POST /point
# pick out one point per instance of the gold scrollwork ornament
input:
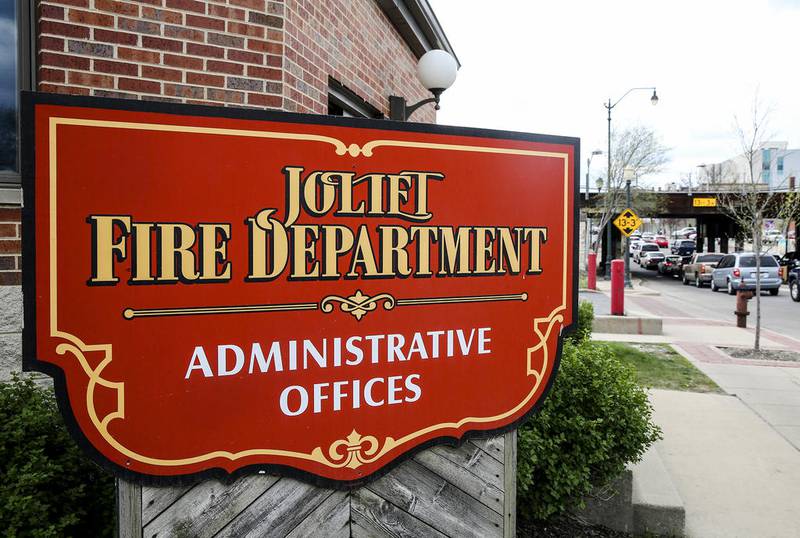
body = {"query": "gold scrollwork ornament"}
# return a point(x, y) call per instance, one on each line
point(357, 304)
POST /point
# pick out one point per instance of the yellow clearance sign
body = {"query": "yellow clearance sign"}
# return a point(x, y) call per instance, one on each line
point(704, 202)
point(627, 222)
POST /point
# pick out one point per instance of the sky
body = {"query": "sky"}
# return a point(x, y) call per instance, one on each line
point(548, 67)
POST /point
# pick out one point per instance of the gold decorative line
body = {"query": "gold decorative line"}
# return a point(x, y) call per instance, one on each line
point(340, 147)
point(357, 305)
point(356, 452)
point(130, 313)
point(463, 299)
point(368, 148)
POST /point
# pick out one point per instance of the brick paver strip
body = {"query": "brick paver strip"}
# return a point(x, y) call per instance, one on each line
point(713, 355)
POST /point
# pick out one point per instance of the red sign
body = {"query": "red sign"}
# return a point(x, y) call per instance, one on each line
point(216, 290)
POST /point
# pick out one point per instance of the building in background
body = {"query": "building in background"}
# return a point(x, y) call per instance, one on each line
point(775, 167)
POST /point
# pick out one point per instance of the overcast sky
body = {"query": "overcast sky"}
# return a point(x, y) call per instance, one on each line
point(548, 67)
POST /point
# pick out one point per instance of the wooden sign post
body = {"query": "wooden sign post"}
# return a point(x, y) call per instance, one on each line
point(243, 296)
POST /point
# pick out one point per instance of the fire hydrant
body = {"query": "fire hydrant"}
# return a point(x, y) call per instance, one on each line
point(741, 307)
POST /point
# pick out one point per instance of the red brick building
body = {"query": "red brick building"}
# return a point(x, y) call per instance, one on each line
point(310, 56)
point(342, 57)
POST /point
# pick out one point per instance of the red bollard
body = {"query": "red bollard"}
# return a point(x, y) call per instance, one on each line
point(617, 288)
point(591, 271)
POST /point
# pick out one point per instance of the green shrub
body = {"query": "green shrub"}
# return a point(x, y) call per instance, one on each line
point(49, 488)
point(583, 329)
point(595, 420)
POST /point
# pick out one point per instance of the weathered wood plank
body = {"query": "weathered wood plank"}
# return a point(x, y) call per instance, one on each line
point(427, 496)
point(375, 517)
point(129, 509)
point(461, 476)
point(278, 511)
point(510, 485)
point(476, 460)
point(330, 519)
point(208, 508)
point(492, 446)
point(157, 499)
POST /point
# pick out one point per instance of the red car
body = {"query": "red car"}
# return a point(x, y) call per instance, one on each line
point(661, 241)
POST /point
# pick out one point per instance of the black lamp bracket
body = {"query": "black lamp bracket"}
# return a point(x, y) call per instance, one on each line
point(400, 110)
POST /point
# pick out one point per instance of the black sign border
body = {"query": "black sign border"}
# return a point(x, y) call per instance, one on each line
point(30, 362)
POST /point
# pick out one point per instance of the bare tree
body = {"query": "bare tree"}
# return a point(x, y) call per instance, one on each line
point(750, 201)
point(641, 149)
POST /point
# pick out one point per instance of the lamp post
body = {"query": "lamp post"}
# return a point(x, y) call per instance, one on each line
point(437, 71)
point(628, 174)
point(609, 106)
point(588, 219)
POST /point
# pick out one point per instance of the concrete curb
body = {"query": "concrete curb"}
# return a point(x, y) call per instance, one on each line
point(627, 325)
point(657, 507)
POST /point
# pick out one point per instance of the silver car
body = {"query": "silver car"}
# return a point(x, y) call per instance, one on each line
point(738, 272)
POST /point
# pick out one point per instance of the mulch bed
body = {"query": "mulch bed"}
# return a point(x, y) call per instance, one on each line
point(564, 527)
point(784, 355)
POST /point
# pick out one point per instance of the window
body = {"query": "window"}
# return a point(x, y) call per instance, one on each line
point(780, 163)
point(8, 87)
point(709, 258)
point(342, 101)
point(15, 75)
point(750, 261)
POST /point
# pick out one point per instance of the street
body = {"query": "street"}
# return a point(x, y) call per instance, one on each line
point(780, 313)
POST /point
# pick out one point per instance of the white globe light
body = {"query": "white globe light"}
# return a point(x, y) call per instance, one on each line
point(437, 70)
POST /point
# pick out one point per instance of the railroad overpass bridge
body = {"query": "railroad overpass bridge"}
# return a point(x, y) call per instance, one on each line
point(713, 224)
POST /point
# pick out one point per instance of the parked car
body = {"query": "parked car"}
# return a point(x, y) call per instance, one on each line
point(650, 260)
point(683, 247)
point(661, 241)
point(670, 266)
point(698, 270)
point(647, 236)
point(684, 232)
point(645, 247)
point(794, 284)
point(635, 244)
point(790, 260)
point(737, 272)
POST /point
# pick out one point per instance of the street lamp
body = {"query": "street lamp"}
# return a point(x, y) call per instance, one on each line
point(628, 174)
point(436, 70)
point(588, 218)
point(609, 106)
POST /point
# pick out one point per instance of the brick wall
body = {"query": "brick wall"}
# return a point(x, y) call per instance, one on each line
point(259, 53)
point(10, 247)
point(354, 42)
point(168, 50)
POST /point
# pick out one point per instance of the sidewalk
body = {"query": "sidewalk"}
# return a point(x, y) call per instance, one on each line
point(737, 477)
point(735, 459)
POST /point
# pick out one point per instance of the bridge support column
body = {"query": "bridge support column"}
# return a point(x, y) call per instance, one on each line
point(712, 242)
point(723, 244)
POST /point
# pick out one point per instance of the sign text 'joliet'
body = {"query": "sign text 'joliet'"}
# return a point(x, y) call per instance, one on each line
point(217, 291)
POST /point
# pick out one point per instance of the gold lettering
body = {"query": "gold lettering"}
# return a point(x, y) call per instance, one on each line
point(454, 251)
point(176, 242)
point(214, 243)
point(106, 248)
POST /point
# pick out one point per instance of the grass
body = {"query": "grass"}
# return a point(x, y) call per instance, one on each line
point(661, 367)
